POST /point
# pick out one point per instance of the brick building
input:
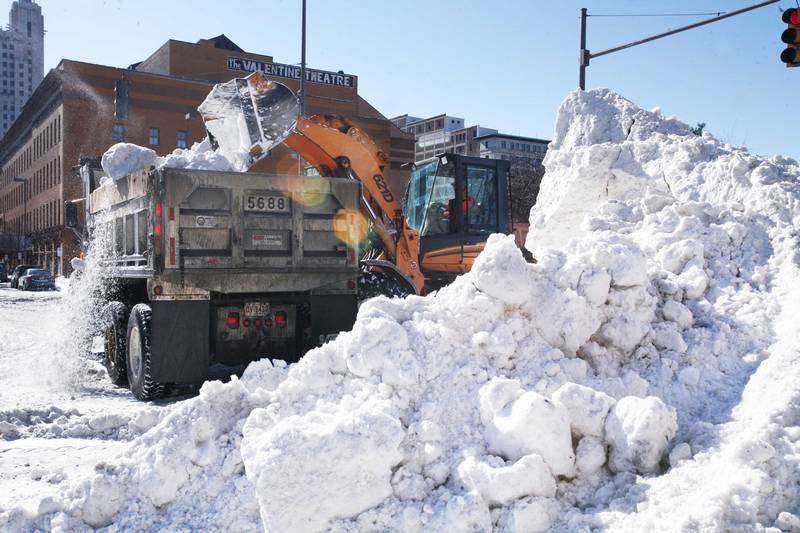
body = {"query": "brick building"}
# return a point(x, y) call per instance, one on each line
point(81, 109)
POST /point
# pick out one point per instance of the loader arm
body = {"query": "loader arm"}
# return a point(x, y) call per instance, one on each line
point(333, 146)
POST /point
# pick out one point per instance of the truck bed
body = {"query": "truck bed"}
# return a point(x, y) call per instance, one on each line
point(240, 225)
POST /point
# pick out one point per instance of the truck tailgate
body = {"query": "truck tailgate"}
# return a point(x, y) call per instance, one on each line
point(230, 220)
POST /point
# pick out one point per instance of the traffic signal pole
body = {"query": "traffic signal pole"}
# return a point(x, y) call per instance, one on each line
point(586, 56)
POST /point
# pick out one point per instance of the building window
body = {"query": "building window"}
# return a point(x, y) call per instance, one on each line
point(118, 133)
point(154, 136)
point(182, 139)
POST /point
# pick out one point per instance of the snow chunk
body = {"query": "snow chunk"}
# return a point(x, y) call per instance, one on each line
point(531, 515)
point(359, 449)
point(638, 431)
point(500, 270)
point(587, 408)
point(681, 452)
point(678, 313)
point(667, 336)
point(531, 424)
point(590, 455)
point(200, 156)
point(124, 158)
point(500, 485)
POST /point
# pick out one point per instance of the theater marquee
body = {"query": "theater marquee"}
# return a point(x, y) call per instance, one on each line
point(290, 71)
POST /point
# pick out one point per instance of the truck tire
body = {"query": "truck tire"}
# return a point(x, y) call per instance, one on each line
point(115, 334)
point(140, 377)
point(373, 283)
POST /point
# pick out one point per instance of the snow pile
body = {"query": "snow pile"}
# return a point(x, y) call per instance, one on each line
point(200, 156)
point(641, 375)
point(124, 158)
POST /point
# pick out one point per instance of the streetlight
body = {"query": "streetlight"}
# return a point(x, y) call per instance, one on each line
point(24, 181)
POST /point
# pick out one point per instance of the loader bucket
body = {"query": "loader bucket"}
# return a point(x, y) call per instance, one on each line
point(246, 117)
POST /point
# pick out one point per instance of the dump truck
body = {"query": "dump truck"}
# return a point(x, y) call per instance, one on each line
point(208, 267)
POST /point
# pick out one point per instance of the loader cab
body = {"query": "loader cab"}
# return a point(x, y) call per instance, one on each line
point(455, 202)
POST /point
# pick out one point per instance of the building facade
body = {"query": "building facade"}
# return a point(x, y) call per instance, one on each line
point(81, 109)
point(525, 155)
point(21, 59)
point(521, 152)
point(441, 133)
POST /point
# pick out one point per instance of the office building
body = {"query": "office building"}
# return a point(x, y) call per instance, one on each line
point(21, 59)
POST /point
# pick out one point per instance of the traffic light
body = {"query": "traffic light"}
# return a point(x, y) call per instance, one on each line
point(791, 36)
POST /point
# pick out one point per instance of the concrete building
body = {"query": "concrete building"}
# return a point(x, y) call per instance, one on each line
point(81, 109)
point(522, 152)
point(22, 59)
point(525, 154)
point(441, 133)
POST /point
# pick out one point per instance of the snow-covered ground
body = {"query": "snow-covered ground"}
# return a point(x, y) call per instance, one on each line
point(59, 415)
point(641, 375)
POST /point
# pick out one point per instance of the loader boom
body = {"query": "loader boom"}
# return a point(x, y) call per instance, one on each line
point(333, 146)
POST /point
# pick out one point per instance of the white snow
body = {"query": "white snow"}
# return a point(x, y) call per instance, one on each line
point(529, 424)
point(646, 366)
point(638, 431)
point(124, 158)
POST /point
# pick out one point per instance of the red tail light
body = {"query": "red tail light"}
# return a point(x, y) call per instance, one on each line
point(158, 290)
point(280, 318)
point(157, 229)
point(267, 322)
point(233, 320)
point(246, 322)
point(257, 322)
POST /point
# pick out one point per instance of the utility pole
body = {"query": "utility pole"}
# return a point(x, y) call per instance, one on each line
point(303, 65)
point(585, 55)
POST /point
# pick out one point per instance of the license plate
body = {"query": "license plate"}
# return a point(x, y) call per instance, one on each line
point(264, 203)
point(256, 309)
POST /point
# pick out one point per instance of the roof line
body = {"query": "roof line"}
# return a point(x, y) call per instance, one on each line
point(515, 137)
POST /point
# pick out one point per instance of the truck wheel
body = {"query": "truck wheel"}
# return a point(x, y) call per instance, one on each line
point(140, 377)
point(115, 336)
point(371, 284)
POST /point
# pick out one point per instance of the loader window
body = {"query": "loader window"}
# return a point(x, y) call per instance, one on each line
point(431, 190)
point(481, 198)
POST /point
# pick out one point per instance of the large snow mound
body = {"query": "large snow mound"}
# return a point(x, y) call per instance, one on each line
point(640, 375)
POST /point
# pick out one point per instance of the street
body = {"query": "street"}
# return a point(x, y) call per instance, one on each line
point(59, 415)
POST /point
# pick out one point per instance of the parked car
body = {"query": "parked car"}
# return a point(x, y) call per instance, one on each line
point(37, 279)
point(3, 273)
point(18, 272)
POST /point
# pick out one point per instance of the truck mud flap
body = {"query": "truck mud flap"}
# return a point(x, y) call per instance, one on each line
point(330, 315)
point(180, 341)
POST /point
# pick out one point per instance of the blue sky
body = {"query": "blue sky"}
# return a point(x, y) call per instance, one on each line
point(505, 64)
